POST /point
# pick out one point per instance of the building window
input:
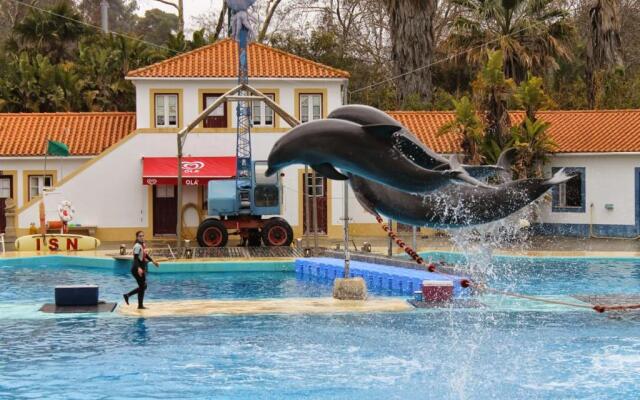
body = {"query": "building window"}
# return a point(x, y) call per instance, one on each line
point(166, 110)
point(310, 107)
point(218, 117)
point(570, 196)
point(319, 186)
point(261, 114)
point(37, 183)
point(5, 187)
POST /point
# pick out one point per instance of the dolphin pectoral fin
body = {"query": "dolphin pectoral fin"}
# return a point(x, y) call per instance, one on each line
point(327, 170)
point(381, 130)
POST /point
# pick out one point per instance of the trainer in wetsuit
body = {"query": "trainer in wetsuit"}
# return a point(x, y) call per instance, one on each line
point(139, 269)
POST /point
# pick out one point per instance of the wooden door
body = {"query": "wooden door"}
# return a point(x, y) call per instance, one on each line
point(6, 190)
point(165, 214)
point(321, 199)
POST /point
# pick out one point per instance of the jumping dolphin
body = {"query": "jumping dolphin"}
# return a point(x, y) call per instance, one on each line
point(408, 143)
point(453, 206)
point(364, 150)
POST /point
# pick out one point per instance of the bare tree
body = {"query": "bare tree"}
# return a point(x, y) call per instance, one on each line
point(272, 5)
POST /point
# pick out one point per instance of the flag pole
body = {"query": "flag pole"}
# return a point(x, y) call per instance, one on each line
point(42, 210)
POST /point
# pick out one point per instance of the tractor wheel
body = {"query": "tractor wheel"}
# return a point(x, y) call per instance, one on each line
point(277, 232)
point(254, 238)
point(212, 233)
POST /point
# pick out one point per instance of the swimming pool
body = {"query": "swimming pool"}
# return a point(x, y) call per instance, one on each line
point(459, 354)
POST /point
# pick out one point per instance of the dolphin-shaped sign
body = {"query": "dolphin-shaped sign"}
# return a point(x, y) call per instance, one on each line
point(453, 206)
point(364, 150)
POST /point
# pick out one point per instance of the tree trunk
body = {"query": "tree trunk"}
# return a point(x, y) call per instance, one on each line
point(220, 24)
point(497, 120)
point(604, 46)
point(267, 20)
point(412, 41)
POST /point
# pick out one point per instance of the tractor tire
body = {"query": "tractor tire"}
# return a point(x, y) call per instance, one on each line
point(277, 232)
point(212, 233)
point(255, 239)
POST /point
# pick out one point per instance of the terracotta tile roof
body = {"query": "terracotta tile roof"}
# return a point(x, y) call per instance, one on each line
point(220, 60)
point(24, 134)
point(589, 131)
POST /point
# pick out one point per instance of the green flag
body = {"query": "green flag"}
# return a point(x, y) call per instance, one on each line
point(57, 149)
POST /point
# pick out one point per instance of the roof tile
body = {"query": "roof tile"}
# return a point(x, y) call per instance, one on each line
point(574, 131)
point(220, 60)
point(24, 134)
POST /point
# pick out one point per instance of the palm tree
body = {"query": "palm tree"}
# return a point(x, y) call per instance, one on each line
point(412, 47)
point(532, 34)
point(604, 46)
point(534, 145)
point(468, 128)
point(54, 33)
point(492, 91)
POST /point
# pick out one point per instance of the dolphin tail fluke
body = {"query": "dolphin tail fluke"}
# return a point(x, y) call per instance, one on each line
point(558, 178)
point(327, 170)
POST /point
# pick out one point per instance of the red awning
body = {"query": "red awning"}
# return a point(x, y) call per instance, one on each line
point(195, 170)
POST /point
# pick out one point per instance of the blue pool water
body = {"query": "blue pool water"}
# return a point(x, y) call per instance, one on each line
point(449, 354)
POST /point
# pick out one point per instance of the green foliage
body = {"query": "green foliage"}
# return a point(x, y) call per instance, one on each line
point(492, 91)
point(534, 145)
point(52, 34)
point(157, 26)
point(468, 128)
point(531, 96)
point(532, 34)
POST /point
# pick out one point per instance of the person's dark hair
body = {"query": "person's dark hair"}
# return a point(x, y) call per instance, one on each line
point(137, 233)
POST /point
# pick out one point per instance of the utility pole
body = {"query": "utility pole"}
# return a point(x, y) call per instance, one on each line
point(104, 15)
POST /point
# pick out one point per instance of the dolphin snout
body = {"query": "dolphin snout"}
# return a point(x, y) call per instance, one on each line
point(270, 171)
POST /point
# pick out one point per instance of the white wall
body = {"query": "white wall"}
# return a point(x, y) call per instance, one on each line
point(110, 193)
point(191, 98)
point(609, 179)
point(62, 165)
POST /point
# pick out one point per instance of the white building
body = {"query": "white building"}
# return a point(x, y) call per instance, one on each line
point(104, 177)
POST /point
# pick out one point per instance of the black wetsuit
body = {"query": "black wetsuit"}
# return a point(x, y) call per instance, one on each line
point(140, 260)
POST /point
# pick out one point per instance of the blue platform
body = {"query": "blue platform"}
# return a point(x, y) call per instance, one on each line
point(393, 280)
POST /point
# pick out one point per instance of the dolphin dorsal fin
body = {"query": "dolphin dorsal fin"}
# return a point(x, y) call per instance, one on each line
point(505, 161)
point(454, 162)
point(328, 171)
point(382, 131)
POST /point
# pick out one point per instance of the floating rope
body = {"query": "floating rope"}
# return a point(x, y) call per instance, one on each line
point(481, 287)
point(598, 307)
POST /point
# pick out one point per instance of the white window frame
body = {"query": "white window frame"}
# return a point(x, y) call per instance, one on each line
point(307, 112)
point(5, 192)
point(319, 185)
point(165, 107)
point(262, 109)
point(39, 185)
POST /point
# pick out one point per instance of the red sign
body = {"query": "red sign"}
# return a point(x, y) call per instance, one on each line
point(195, 170)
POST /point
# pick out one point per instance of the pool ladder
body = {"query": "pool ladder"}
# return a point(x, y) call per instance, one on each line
point(2, 241)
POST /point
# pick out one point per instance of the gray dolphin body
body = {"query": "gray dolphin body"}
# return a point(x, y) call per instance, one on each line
point(454, 206)
point(408, 143)
point(364, 150)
